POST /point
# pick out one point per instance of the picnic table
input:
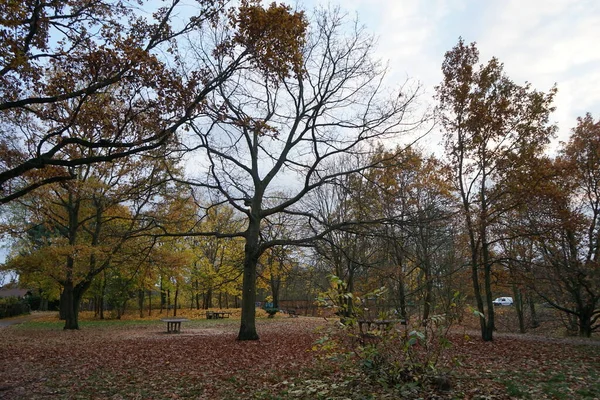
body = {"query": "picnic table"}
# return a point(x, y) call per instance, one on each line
point(217, 314)
point(379, 324)
point(174, 324)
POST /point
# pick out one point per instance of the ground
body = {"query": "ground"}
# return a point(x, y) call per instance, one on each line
point(136, 359)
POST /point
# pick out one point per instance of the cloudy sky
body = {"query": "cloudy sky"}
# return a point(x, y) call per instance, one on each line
point(540, 41)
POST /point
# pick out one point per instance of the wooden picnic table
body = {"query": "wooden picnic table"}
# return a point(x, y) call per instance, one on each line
point(379, 324)
point(217, 314)
point(174, 324)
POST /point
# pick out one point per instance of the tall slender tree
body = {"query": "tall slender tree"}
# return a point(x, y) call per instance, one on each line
point(488, 120)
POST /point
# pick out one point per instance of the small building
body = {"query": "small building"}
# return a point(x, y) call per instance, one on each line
point(10, 291)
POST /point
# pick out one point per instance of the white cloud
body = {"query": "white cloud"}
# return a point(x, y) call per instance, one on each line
point(539, 41)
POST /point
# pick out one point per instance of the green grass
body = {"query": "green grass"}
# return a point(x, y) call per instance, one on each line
point(33, 325)
point(125, 323)
point(533, 384)
point(513, 389)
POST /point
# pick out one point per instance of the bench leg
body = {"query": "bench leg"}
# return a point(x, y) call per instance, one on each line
point(173, 327)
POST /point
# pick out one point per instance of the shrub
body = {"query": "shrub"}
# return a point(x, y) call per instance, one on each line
point(401, 356)
point(12, 306)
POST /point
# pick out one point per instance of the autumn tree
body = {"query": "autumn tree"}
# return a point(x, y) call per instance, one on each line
point(413, 197)
point(277, 263)
point(564, 221)
point(347, 253)
point(318, 97)
point(217, 261)
point(105, 65)
point(487, 119)
point(92, 218)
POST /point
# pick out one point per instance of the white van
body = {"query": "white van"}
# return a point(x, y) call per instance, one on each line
point(503, 301)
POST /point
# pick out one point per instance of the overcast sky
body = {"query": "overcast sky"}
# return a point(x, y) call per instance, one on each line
point(539, 41)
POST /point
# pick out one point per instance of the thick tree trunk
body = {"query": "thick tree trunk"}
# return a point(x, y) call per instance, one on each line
point(585, 321)
point(275, 283)
point(534, 318)
point(490, 326)
point(251, 255)
point(44, 304)
point(208, 299)
point(70, 300)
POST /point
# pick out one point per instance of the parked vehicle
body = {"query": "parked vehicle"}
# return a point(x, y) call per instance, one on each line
point(503, 301)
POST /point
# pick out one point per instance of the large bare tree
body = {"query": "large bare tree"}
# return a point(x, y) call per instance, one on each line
point(273, 128)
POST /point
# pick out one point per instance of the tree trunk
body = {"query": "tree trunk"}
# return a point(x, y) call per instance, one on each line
point(477, 292)
point(141, 294)
point(149, 302)
point(428, 294)
point(168, 301)
point(251, 255)
point(70, 301)
point(208, 299)
point(585, 321)
point(490, 326)
point(275, 285)
point(96, 308)
point(534, 318)
point(163, 296)
point(176, 300)
point(44, 304)
point(519, 307)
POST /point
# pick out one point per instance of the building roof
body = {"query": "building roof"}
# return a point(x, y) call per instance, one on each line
point(13, 292)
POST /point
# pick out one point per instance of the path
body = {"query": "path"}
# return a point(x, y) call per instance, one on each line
point(4, 322)
point(572, 340)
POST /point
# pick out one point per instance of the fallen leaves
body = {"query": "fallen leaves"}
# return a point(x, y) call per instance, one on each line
point(140, 361)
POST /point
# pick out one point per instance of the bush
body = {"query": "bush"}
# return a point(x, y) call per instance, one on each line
point(401, 356)
point(13, 306)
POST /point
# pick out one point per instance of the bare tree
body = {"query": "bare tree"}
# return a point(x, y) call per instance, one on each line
point(265, 133)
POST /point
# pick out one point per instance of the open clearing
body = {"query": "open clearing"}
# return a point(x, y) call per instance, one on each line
point(138, 360)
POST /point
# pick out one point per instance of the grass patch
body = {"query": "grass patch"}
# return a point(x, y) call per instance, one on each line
point(575, 380)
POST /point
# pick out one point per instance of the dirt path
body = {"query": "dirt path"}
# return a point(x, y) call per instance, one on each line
point(594, 341)
point(20, 319)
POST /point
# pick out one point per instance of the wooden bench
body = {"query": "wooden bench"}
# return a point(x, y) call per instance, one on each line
point(174, 324)
point(378, 324)
point(292, 313)
point(217, 314)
